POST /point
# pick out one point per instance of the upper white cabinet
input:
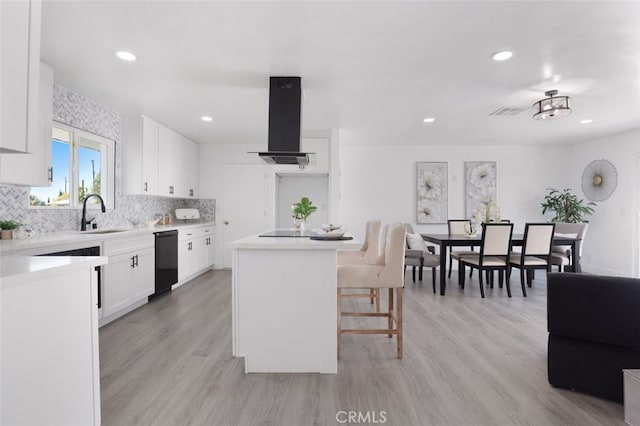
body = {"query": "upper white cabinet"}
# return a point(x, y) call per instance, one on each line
point(169, 162)
point(190, 172)
point(150, 131)
point(160, 161)
point(19, 74)
point(34, 168)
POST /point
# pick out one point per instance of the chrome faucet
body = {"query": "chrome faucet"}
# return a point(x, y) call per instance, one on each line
point(84, 222)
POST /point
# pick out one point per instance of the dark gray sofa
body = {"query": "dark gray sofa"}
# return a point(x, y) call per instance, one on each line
point(594, 332)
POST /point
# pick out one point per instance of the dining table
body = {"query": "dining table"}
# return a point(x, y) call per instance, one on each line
point(444, 241)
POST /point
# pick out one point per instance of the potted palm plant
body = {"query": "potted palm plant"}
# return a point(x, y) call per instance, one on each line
point(566, 206)
point(301, 211)
point(7, 228)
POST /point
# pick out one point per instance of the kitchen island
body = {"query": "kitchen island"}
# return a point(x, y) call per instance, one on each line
point(284, 303)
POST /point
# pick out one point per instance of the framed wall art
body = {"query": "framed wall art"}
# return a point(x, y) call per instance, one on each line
point(480, 185)
point(432, 191)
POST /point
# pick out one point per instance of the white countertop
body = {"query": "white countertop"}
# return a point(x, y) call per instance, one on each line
point(15, 270)
point(296, 243)
point(57, 241)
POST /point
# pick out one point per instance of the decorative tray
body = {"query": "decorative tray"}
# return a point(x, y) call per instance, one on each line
point(330, 238)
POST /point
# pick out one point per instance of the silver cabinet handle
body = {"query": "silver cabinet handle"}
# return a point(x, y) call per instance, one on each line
point(226, 222)
point(146, 186)
point(171, 190)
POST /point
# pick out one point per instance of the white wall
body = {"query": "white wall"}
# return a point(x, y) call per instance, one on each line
point(380, 181)
point(610, 245)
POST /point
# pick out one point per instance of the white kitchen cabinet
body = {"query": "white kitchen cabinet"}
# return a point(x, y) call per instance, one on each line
point(50, 349)
point(117, 291)
point(34, 168)
point(195, 252)
point(19, 73)
point(149, 160)
point(187, 259)
point(143, 275)
point(205, 252)
point(159, 161)
point(191, 169)
point(169, 162)
point(129, 278)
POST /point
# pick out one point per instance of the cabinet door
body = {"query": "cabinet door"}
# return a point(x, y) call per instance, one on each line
point(187, 258)
point(205, 252)
point(34, 168)
point(19, 72)
point(143, 275)
point(149, 156)
point(117, 292)
point(191, 168)
point(169, 157)
point(210, 252)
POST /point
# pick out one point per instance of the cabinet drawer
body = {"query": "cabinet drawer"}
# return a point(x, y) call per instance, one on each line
point(127, 244)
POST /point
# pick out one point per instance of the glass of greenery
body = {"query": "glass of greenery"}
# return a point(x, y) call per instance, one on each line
point(302, 210)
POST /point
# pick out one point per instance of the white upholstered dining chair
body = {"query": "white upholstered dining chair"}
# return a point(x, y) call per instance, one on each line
point(561, 255)
point(535, 253)
point(389, 275)
point(495, 248)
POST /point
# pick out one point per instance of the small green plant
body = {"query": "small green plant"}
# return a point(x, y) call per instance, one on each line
point(303, 208)
point(566, 206)
point(9, 224)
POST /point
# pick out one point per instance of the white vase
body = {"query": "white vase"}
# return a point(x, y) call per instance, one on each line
point(304, 225)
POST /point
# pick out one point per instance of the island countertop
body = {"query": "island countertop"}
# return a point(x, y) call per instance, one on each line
point(297, 243)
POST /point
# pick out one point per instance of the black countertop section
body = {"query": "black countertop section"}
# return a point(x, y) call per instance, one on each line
point(290, 233)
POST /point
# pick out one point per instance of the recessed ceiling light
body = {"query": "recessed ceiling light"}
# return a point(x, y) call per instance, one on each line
point(126, 56)
point(503, 55)
point(206, 118)
point(586, 121)
point(429, 120)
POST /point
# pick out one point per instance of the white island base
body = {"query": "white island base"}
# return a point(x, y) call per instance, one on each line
point(284, 304)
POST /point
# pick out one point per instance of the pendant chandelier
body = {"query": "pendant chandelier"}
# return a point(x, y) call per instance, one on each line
point(552, 106)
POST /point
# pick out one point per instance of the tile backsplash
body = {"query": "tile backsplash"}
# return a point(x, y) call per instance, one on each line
point(77, 111)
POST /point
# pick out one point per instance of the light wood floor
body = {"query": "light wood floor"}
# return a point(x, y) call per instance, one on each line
point(467, 361)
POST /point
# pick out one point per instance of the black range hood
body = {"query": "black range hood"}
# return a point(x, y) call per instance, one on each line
point(285, 96)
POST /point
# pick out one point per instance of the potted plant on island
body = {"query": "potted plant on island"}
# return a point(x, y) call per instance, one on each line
point(301, 211)
point(7, 228)
point(566, 206)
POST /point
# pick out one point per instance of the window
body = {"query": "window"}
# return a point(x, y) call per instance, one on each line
point(82, 163)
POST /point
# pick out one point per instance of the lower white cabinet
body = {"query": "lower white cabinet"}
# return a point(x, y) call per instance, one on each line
point(195, 252)
point(128, 279)
point(50, 355)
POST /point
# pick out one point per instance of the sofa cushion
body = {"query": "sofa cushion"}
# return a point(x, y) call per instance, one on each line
point(595, 308)
point(589, 367)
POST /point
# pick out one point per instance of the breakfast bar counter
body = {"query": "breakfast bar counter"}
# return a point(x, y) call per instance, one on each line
point(284, 303)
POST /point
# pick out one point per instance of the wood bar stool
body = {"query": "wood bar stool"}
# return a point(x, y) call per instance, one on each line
point(389, 275)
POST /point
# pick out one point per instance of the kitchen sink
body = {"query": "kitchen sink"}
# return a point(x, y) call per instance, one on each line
point(103, 231)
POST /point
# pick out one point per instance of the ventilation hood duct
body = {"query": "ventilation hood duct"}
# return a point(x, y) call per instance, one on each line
point(285, 95)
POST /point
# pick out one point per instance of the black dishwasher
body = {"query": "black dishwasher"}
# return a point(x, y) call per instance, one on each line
point(166, 261)
point(86, 251)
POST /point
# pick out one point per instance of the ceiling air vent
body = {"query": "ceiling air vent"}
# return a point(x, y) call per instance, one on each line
point(508, 111)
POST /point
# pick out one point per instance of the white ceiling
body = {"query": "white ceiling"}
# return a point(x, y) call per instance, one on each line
point(372, 69)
